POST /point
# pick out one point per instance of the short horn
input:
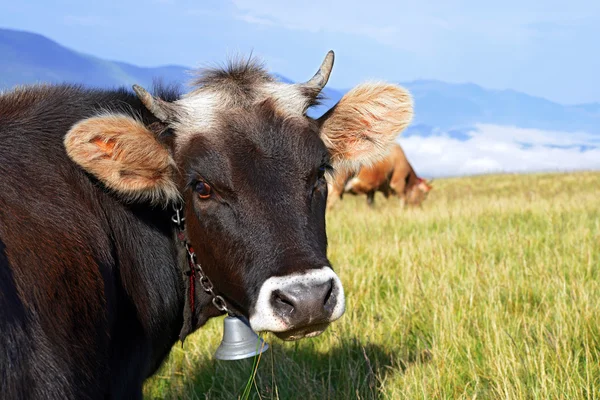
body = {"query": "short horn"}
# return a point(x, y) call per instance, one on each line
point(320, 79)
point(159, 108)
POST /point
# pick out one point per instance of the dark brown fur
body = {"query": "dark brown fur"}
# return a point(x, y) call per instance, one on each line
point(84, 320)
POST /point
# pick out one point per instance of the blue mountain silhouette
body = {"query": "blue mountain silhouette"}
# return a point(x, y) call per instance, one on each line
point(440, 107)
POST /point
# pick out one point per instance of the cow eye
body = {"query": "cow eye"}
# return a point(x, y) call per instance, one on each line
point(203, 189)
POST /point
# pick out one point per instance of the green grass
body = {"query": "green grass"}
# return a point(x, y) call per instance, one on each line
point(491, 290)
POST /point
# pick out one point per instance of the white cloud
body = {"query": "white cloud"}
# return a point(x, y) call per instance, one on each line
point(495, 148)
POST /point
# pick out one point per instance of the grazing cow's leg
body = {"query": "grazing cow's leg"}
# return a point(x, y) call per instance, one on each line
point(398, 183)
point(371, 198)
point(334, 193)
point(335, 187)
point(385, 189)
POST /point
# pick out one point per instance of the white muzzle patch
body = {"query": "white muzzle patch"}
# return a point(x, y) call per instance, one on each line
point(265, 318)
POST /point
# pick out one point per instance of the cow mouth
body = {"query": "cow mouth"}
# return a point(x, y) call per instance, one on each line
point(301, 333)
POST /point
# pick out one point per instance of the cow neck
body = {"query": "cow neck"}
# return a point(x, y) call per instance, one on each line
point(193, 273)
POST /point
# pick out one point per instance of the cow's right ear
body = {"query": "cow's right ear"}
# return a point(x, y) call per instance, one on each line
point(360, 129)
point(124, 155)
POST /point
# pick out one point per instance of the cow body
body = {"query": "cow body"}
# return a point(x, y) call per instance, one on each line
point(393, 175)
point(88, 283)
point(95, 283)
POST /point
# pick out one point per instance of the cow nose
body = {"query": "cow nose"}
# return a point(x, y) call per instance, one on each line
point(301, 304)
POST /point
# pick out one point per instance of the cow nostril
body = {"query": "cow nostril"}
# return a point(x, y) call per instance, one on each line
point(282, 303)
point(326, 300)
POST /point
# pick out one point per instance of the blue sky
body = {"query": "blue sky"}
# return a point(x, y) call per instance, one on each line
point(545, 48)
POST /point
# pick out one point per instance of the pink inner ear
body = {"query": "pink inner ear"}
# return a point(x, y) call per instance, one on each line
point(107, 147)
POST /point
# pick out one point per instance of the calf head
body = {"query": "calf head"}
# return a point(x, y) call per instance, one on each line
point(250, 167)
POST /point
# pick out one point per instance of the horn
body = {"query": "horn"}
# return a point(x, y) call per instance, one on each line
point(319, 80)
point(159, 108)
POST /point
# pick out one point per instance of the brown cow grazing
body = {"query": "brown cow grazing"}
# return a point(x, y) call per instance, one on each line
point(392, 175)
point(99, 276)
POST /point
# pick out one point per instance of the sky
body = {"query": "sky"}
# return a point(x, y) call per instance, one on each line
point(501, 149)
point(546, 48)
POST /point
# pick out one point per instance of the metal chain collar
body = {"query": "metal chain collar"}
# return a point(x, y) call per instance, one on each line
point(219, 302)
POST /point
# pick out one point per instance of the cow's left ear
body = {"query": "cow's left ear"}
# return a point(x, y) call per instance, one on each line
point(124, 155)
point(360, 129)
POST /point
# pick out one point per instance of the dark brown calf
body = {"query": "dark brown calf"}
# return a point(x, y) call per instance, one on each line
point(94, 285)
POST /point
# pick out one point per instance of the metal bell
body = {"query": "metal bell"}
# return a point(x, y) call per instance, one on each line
point(239, 340)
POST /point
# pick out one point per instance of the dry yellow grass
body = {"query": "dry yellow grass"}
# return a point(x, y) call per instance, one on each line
point(491, 290)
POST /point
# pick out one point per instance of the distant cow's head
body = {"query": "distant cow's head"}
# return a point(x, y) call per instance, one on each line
point(250, 167)
point(417, 194)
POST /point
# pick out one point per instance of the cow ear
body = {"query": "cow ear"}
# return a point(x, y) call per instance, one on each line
point(124, 155)
point(360, 128)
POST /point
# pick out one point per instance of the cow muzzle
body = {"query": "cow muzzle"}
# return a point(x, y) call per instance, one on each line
point(299, 305)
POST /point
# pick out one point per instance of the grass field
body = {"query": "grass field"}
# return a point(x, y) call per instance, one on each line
point(491, 290)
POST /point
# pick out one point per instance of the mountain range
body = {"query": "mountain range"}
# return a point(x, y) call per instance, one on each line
point(441, 108)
